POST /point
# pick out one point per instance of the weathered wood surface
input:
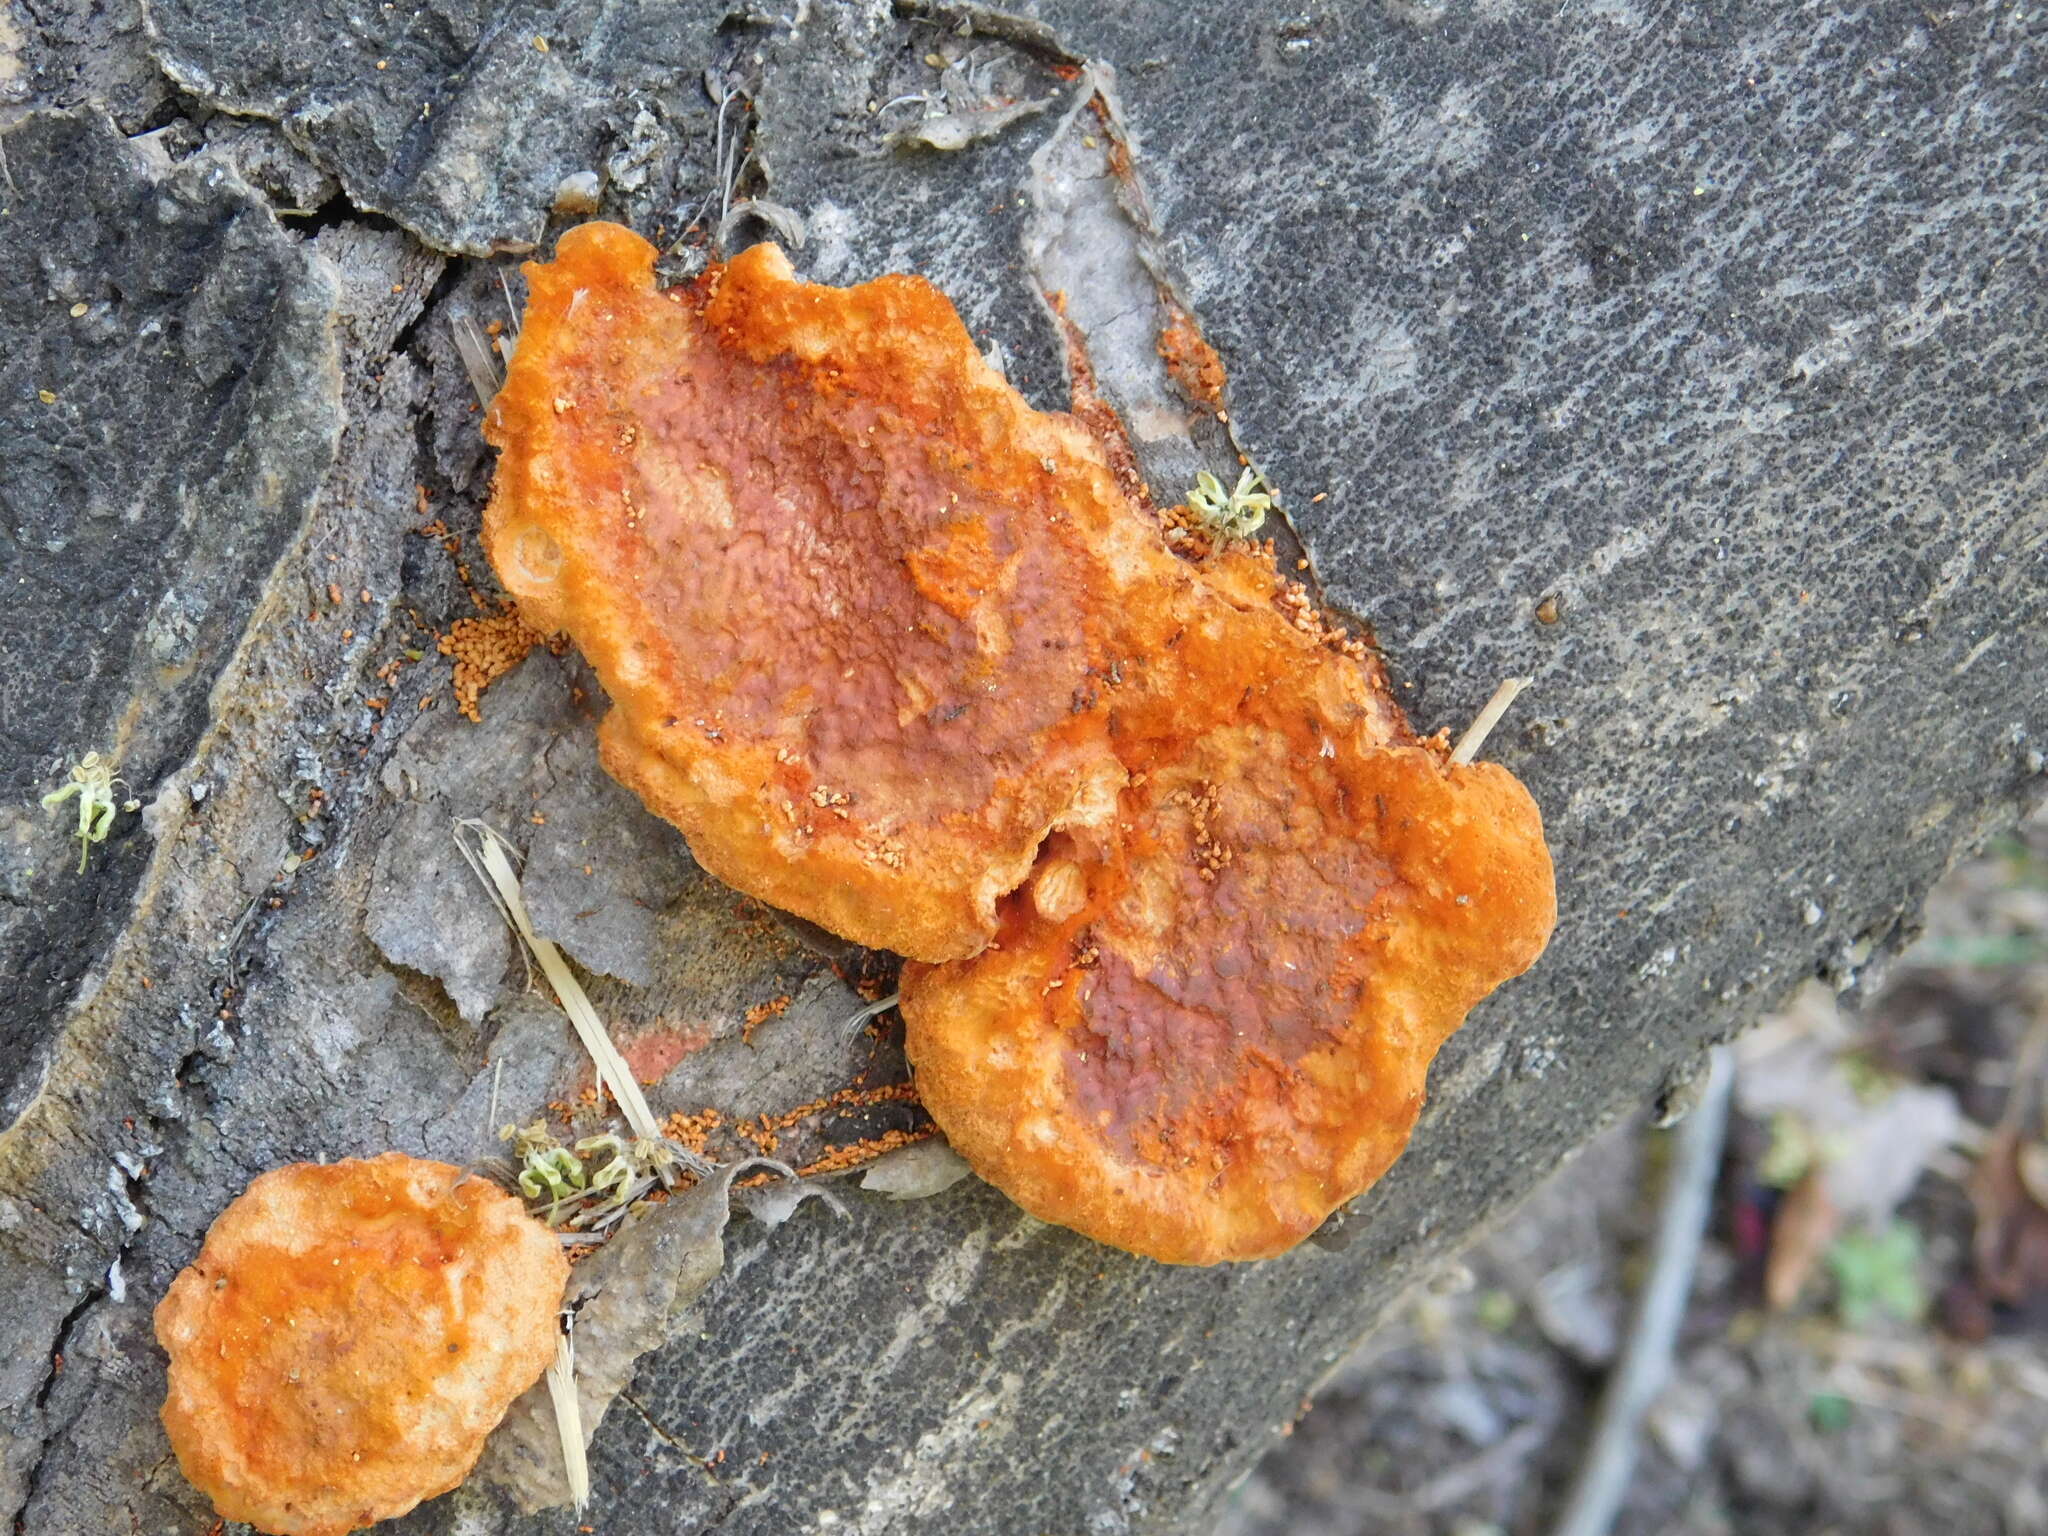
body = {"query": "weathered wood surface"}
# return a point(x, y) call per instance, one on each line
point(1719, 327)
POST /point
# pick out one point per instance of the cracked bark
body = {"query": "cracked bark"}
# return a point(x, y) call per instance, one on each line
point(1769, 426)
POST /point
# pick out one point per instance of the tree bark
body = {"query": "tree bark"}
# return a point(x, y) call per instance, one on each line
point(1691, 359)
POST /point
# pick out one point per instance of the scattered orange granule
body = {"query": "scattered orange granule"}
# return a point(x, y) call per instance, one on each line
point(761, 1013)
point(485, 650)
point(765, 1131)
point(1190, 359)
point(854, 1153)
point(692, 1131)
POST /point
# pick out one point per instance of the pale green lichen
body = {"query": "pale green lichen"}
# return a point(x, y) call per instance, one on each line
point(1237, 513)
point(92, 782)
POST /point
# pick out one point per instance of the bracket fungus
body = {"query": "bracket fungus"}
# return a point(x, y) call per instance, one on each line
point(347, 1337)
point(1188, 906)
point(842, 586)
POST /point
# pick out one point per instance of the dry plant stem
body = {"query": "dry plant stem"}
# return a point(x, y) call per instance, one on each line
point(491, 1121)
point(489, 858)
point(475, 352)
point(508, 343)
point(858, 1022)
point(569, 1414)
point(1645, 1362)
point(1475, 736)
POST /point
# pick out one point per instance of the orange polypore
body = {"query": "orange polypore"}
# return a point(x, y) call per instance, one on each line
point(897, 653)
point(348, 1336)
point(843, 589)
point(1225, 1034)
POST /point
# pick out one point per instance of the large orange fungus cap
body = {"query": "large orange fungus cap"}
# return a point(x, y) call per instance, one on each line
point(1190, 907)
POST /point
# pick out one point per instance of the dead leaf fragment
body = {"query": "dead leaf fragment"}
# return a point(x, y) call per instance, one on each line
point(1806, 1224)
point(627, 1299)
point(2012, 1226)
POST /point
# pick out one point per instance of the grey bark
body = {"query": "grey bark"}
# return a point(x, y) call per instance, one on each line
point(1722, 328)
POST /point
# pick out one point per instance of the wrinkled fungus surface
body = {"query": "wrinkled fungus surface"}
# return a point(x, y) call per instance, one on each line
point(347, 1337)
point(1228, 1037)
point(847, 593)
point(1194, 906)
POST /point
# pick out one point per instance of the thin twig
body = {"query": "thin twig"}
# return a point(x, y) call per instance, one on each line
point(728, 175)
point(1475, 737)
point(726, 96)
point(511, 313)
point(1460, 1482)
point(1645, 1362)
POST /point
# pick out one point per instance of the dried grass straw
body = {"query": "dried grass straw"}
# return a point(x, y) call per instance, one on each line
point(491, 858)
point(477, 362)
point(1474, 738)
point(569, 1413)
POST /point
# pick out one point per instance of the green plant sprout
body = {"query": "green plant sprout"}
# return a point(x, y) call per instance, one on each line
point(92, 781)
point(554, 1178)
point(526, 1139)
point(614, 1175)
point(1237, 513)
point(1791, 1153)
point(552, 1175)
point(1877, 1274)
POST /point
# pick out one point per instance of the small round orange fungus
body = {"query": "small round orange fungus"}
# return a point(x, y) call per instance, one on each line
point(348, 1336)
